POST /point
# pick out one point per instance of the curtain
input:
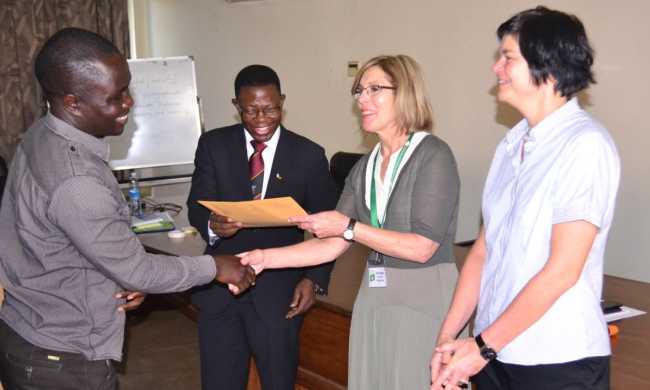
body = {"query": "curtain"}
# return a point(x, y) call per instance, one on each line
point(24, 26)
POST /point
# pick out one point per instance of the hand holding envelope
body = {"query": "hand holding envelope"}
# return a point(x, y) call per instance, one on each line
point(258, 213)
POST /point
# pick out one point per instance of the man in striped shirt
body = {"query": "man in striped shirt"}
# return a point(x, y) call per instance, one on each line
point(66, 246)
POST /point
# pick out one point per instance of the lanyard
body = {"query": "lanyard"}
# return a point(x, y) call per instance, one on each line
point(373, 194)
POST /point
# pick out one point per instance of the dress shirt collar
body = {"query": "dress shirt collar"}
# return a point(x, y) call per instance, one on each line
point(538, 133)
point(96, 145)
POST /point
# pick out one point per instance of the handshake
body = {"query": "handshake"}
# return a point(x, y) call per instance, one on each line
point(239, 272)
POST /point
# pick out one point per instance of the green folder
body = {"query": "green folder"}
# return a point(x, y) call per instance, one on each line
point(158, 227)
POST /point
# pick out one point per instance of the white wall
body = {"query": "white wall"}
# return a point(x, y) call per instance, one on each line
point(308, 42)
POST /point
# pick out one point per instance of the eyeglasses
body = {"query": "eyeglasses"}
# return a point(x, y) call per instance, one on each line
point(273, 111)
point(372, 90)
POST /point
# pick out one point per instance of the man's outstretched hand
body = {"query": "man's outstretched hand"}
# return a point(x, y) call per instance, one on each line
point(230, 271)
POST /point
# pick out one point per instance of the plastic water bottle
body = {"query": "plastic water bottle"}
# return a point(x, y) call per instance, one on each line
point(135, 203)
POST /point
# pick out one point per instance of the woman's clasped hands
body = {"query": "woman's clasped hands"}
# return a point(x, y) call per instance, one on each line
point(453, 362)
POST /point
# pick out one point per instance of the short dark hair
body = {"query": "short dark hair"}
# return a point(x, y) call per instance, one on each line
point(554, 44)
point(67, 62)
point(256, 76)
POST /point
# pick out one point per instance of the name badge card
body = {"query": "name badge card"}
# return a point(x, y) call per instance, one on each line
point(377, 277)
point(376, 271)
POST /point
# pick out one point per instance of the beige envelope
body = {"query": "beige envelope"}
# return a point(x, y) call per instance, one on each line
point(258, 213)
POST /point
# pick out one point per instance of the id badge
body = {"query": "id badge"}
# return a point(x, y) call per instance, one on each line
point(376, 271)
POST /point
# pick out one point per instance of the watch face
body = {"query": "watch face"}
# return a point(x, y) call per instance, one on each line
point(348, 234)
point(488, 353)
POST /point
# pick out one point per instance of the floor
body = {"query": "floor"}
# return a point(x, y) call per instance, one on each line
point(161, 349)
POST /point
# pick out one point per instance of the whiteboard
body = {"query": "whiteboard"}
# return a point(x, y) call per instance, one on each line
point(164, 123)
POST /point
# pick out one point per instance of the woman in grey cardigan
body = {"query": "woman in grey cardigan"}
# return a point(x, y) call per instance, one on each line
point(400, 200)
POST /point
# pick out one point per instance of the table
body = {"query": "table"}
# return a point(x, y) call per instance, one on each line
point(630, 367)
point(324, 335)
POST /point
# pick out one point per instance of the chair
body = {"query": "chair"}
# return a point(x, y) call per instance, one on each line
point(340, 165)
point(3, 180)
point(3, 176)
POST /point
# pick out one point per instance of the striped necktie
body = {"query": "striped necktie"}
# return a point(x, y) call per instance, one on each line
point(256, 166)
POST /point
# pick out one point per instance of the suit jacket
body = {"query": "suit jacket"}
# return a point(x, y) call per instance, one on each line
point(300, 170)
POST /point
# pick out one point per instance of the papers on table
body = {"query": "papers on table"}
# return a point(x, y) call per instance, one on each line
point(258, 213)
point(152, 222)
point(625, 312)
point(145, 219)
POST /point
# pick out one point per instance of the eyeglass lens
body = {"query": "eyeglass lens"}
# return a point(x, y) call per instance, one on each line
point(372, 90)
point(267, 112)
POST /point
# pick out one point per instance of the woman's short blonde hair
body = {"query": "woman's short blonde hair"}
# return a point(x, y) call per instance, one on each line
point(412, 103)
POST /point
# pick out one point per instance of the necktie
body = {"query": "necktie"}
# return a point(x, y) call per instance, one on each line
point(256, 166)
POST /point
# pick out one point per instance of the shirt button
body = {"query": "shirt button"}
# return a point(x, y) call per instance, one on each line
point(73, 148)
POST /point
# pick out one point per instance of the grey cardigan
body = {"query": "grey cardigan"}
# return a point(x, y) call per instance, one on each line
point(424, 199)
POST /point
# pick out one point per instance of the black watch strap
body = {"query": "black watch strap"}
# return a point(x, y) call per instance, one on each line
point(352, 223)
point(479, 341)
point(488, 353)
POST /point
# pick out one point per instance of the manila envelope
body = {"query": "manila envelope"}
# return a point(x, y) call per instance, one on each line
point(258, 213)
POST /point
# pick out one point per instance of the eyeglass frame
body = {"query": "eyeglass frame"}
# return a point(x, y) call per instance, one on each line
point(359, 91)
point(254, 113)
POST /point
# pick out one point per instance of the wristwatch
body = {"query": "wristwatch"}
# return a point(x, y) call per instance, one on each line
point(348, 234)
point(487, 352)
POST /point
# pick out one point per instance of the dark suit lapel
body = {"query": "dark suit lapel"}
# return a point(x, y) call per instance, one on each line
point(239, 163)
point(282, 163)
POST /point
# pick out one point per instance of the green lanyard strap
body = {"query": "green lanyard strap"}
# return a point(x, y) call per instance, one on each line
point(373, 193)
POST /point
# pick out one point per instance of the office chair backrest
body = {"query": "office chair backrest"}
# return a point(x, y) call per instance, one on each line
point(3, 176)
point(340, 165)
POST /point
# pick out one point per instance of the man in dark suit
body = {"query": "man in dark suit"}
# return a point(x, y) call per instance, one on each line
point(265, 320)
